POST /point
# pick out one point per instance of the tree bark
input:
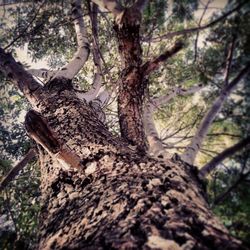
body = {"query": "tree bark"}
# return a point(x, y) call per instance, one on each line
point(132, 82)
point(117, 198)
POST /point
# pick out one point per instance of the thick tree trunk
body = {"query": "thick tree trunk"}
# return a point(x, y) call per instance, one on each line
point(117, 199)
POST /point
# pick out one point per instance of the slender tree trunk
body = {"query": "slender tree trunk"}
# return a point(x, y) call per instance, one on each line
point(131, 82)
point(117, 198)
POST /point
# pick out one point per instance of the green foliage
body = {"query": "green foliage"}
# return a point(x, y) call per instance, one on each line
point(19, 208)
point(154, 15)
point(234, 209)
point(12, 110)
point(183, 9)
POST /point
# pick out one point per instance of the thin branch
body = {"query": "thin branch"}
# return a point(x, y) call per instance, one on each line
point(226, 134)
point(224, 195)
point(162, 100)
point(24, 31)
point(229, 61)
point(17, 168)
point(192, 30)
point(154, 64)
point(210, 166)
point(199, 24)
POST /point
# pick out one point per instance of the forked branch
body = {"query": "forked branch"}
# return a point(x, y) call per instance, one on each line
point(82, 53)
point(155, 144)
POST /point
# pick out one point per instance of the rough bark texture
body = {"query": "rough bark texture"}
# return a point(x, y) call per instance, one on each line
point(131, 83)
point(118, 199)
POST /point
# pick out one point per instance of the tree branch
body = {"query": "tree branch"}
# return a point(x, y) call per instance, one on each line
point(229, 61)
point(93, 92)
point(82, 53)
point(192, 30)
point(99, 98)
point(193, 148)
point(42, 73)
point(23, 80)
point(17, 168)
point(113, 6)
point(206, 169)
point(155, 143)
point(162, 100)
point(223, 196)
point(140, 5)
point(154, 64)
point(199, 24)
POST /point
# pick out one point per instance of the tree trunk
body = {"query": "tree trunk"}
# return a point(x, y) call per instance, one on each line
point(117, 198)
point(132, 82)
